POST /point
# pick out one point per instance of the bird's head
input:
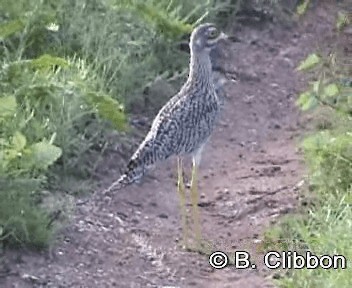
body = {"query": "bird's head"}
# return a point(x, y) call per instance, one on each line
point(205, 37)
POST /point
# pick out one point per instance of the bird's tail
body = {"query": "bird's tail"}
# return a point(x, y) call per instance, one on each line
point(142, 159)
point(118, 184)
point(135, 170)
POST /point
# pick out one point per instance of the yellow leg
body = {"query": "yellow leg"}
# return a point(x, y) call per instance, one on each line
point(182, 194)
point(195, 209)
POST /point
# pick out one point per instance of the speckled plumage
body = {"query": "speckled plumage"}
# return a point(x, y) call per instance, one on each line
point(186, 121)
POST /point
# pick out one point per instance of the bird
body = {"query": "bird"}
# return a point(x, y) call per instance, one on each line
point(182, 127)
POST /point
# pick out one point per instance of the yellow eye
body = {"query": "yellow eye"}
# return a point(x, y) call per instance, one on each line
point(213, 33)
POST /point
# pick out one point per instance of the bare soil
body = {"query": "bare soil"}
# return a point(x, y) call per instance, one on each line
point(249, 176)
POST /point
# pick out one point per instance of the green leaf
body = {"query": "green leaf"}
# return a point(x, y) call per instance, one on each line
point(171, 26)
point(10, 28)
point(331, 90)
point(167, 23)
point(45, 154)
point(108, 108)
point(316, 87)
point(307, 101)
point(349, 99)
point(302, 8)
point(11, 154)
point(316, 141)
point(310, 62)
point(47, 61)
point(342, 20)
point(8, 106)
point(3, 160)
point(19, 141)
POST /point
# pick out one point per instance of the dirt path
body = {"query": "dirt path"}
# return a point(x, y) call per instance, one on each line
point(248, 177)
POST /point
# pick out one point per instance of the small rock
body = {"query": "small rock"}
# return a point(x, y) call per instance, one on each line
point(31, 278)
point(277, 126)
point(135, 221)
point(163, 216)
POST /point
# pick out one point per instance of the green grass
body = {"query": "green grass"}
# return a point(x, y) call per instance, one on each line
point(324, 229)
point(324, 224)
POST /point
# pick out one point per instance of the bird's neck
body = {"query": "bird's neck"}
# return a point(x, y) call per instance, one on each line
point(200, 72)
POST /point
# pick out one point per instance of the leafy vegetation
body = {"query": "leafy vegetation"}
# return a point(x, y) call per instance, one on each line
point(324, 226)
point(69, 71)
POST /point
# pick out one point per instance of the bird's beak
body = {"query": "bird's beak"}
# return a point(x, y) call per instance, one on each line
point(223, 36)
point(227, 38)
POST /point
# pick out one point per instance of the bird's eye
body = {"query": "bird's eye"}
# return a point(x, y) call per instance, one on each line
point(213, 33)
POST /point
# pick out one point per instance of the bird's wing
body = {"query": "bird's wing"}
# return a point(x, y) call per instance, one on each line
point(156, 146)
